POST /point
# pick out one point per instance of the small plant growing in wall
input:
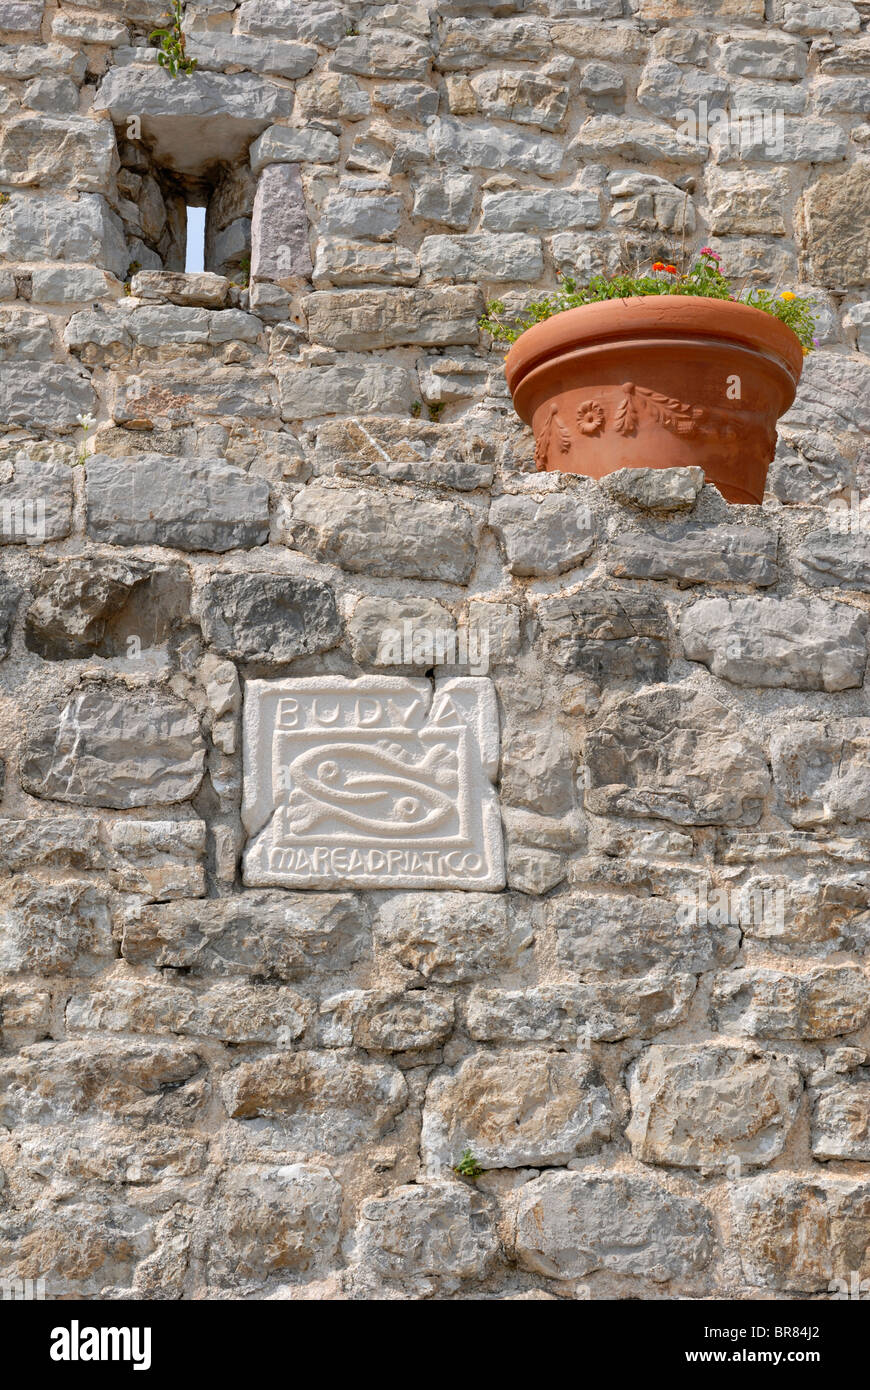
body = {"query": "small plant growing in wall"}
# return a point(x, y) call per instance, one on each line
point(87, 423)
point(468, 1167)
point(172, 53)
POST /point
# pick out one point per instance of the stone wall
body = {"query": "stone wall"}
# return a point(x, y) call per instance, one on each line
point(594, 905)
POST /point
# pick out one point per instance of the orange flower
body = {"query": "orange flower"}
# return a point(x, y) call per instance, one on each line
point(672, 270)
point(658, 265)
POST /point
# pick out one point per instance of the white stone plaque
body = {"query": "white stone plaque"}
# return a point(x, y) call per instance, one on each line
point(379, 782)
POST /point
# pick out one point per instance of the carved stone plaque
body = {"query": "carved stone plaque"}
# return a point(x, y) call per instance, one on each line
point(379, 782)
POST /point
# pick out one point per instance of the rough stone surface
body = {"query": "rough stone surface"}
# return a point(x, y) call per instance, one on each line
point(568, 1225)
point(679, 756)
point(702, 1107)
point(375, 809)
point(799, 1235)
point(391, 536)
point(268, 618)
point(154, 500)
point(111, 747)
point(797, 643)
point(552, 1109)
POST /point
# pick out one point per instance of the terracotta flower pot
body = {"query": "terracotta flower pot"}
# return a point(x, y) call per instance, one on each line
point(665, 381)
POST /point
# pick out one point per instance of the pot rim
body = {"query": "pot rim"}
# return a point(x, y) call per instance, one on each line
point(653, 316)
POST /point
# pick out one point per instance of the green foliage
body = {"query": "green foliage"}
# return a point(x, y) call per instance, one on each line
point(4, 199)
point(417, 409)
point(468, 1166)
point(703, 279)
point(173, 55)
point(437, 409)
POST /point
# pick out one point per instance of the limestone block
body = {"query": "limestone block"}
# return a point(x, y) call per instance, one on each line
point(274, 1220)
point(189, 504)
point(54, 1082)
point(703, 1106)
point(73, 152)
point(820, 769)
point(321, 1101)
point(51, 227)
point(214, 50)
point(335, 96)
point(675, 755)
point(449, 938)
point(282, 144)
point(632, 138)
point(834, 220)
point(833, 394)
point(279, 227)
point(841, 1121)
point(826, 560)
point(655, 489)
point(36, 498)
point(346, 785)
point(697, 555)
point(824, 1003)
point(271, 618)
point(342, 263)
point(804, 140)
point(482, 256)
point(446, 197)
point(146, 91)
point(21, 19)
point(764, 55)
point(375, 215)
point(74, 601)
point(544, 210)
point(813, 17)
point(436, 1230)
point(626, 936)
point(383, 53)
point(528, 98)
point(44, 399)
point(514, 1109)
point(60, 284)
point(542, 536)
point(229, 1010)
point(607, 636)
point(799, 644)
point(383, 631)
point(428, 455)
point(359, 387)
point(398, 537)
point(356, 320)
point(159, 860)
point(476, 43)
point(804, 1236)
point(492, 147)
point(113, 747)
point(743, 203)
point(268, 936)
point(54, 928)
point(668, 89)
point(315, 21)
point(568, 1225)
point(605, 1010)
point(200, 289)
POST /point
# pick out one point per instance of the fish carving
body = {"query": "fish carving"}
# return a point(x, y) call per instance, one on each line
point(376, 789)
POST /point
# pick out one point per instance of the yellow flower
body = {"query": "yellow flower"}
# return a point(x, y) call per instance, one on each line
point(787, 294)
